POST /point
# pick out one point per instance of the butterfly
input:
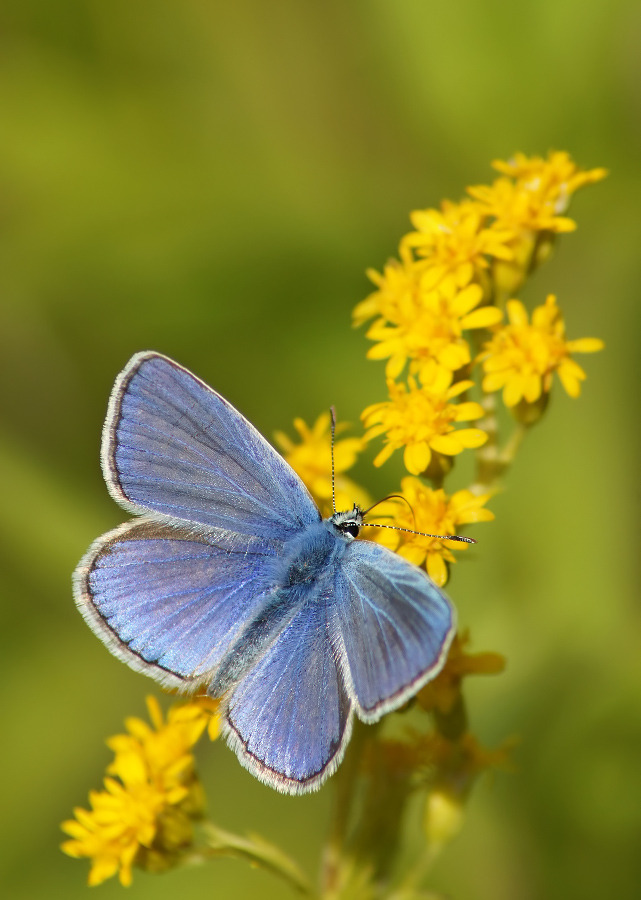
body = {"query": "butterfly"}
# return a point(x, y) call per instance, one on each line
point(230, 582)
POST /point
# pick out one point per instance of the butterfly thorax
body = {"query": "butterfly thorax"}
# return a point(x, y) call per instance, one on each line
point(316, 548)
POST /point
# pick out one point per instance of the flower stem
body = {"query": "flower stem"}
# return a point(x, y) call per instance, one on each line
point(417, 873)
point(493, 461)
point(345, 782)
point(255, 850)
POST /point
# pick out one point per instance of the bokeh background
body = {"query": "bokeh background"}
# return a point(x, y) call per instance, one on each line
point(211, 180)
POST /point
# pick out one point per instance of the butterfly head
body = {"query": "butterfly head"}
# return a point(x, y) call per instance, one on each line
point(348, 523)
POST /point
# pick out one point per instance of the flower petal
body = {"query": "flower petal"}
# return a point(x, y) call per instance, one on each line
point(513, 391)
point(471, 438)
point(571, 376)
point(517, 313)
point(494, 381)
point(469, 410)
point(412, 553)
point(465, 301)
point(395, 365)
point(416, 457)
point(436, 569)
point(585, 345)
point(459, 388)
point(447, 444)
point(454, 356)
point(484, 317)
point(384, 455)
point(532, 387)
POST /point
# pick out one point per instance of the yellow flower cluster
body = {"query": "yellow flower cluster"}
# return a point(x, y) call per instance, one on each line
point(438, 314)
point(528, 201)
point(439, 322)
point(152, 794)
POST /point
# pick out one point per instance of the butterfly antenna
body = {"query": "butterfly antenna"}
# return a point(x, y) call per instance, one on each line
point(391, 497)
point(439, 537)
point(332, 413)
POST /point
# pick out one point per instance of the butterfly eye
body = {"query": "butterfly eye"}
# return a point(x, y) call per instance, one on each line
point(351, 528)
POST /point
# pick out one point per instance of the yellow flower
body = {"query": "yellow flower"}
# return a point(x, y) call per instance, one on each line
point(522, 358)
point(522, 205)
point(529, 201)
point(311, 459)
point(398, 287)
point(165, 747)
point(433, 512)
point(556, 177)
point(455, 243)
point(429, 331)
point(422, 421)
point(151, 794)
point(123, 819)
point(443, 692)
point(200, 707)
point(419, 324)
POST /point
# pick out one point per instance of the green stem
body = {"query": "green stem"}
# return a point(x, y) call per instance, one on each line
point(344, 785)
point(417, 873)
point(486, 456)
point(493, 461)
point(453, 724)
point(256, 851)
point(511, 447)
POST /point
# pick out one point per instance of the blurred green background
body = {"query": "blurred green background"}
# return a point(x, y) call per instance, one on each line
point(211, 181)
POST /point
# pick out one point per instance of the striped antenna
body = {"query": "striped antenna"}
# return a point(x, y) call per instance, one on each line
point(332, 413)
point(438, 537)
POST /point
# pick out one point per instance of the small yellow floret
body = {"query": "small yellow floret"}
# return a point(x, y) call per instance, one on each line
point(522, 357)
point(426, 326)
point(421, 420)
point(432, 512)
point(454, 243)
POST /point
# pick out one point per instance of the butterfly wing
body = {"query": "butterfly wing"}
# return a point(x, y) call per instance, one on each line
point(289, 719)
point(169, 602)
point(395, 625)
point(173, 446)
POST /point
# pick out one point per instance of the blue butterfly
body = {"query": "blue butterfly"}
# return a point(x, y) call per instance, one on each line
point(230, 581)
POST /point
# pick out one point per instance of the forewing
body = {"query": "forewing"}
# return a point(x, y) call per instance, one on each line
point(170, 602)
point(395, 624)
point(174, 446)
point(289, 719)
